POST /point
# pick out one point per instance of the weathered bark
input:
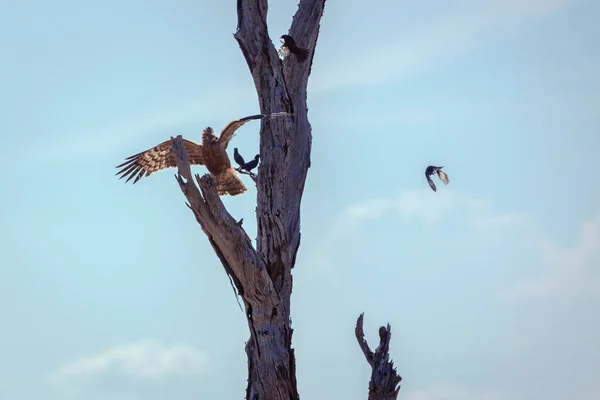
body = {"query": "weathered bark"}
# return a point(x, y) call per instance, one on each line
point(262, 276)
point(385, 381)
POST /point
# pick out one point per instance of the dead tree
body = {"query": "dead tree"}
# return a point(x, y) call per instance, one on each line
point(262, 276)
point(385, 381)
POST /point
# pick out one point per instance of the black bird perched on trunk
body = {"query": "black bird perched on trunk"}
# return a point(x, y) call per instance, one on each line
point(248, 166)
point(238, 157)
point(441, 174)
point(288, 46)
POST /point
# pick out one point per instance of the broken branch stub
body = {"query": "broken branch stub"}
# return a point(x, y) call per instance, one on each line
point(385, 381)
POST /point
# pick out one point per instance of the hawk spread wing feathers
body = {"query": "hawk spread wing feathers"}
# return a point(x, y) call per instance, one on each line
point(210, 153)
point(430, 170)
point(157, 158)
point(229, 131)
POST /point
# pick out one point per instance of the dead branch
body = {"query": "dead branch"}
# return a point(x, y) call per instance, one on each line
point(249, 173)
point(385, 381)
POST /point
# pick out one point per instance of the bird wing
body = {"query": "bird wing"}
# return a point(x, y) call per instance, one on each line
point(431, 184)
point(157, 158)
point(301, 53)
point(229, 131)
point(250, 165)
point(443, 176)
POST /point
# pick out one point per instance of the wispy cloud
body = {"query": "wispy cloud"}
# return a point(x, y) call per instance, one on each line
point(421, 205)
point(443, 37)
point(146, 359)
point(567, 271)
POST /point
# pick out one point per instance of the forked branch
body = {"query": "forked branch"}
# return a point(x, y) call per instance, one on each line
point(385, 381)
point(229, 240)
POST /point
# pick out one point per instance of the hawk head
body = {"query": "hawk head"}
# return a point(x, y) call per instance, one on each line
point(208, 135)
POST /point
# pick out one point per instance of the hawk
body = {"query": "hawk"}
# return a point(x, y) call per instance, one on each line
point(248, 166)
point(441, 174)
point(211, 153)
point(288, 46)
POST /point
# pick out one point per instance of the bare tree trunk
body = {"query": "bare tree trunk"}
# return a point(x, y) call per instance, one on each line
point(262, 276)
point(384, 383)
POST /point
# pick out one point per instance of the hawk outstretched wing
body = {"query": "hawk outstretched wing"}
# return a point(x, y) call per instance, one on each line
point(229, 131)
point(157, 158)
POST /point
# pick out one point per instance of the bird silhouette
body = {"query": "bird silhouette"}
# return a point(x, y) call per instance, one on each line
point(430, 170)
point(237, 157)
point(250, 165)
point(288, 46)
point(211, 153)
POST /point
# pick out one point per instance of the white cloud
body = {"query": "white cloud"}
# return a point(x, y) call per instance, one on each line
point(443, 37)
point(143, 360)
point(567, 271)
point(422, 205)
point(429, 208)
point(444, 391)
point(425, 205)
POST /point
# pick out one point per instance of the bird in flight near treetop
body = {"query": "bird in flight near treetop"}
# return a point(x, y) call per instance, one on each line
point(289, 46)
point(248, 166)
point(441, 174)
point(211, 153)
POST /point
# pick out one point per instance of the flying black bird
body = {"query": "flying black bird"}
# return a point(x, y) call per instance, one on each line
point(441, 174)
point(288, 46)
point(211, 153)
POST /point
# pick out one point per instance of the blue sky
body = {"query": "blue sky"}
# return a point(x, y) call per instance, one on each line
point(491, 285)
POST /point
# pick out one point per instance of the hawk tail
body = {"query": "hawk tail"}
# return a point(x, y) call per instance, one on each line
point(229, 183)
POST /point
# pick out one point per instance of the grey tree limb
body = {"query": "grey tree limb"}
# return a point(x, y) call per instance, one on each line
point(385, 381)
point(262, 275)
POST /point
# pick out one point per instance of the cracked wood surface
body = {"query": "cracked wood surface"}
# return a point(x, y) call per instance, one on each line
point(262, 276)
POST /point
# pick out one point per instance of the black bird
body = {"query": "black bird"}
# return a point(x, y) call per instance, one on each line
point(288, 46)
point(441, 174)
point(238, 158)
point(250, 165)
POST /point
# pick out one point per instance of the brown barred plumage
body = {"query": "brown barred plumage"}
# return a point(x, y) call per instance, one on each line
point(211, 153)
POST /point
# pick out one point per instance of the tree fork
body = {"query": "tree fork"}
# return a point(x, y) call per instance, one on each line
point(385, 381)
point(262, 276)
